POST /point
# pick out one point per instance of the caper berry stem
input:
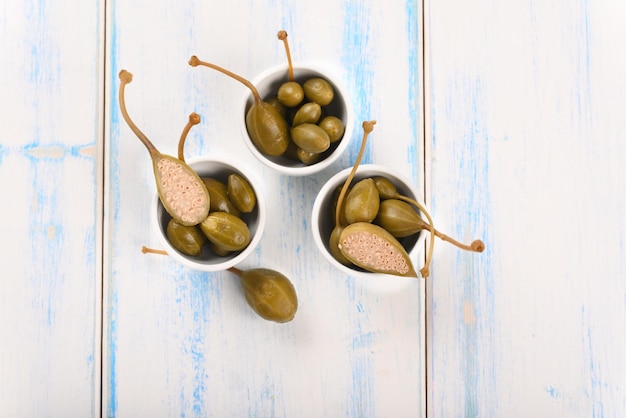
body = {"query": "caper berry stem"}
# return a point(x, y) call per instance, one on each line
point(194, 119)
point(425, 271)
point(126, 78)
point(194, 61)
point(235, 270)
point(368, 127)
point(147, 250)
point(282, 35)
point(476, 246)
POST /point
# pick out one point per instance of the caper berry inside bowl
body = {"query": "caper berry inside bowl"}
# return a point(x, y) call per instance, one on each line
point(212, 259)
point(268, 84)
point(323, 220)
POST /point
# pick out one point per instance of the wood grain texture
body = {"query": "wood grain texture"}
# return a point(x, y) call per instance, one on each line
point(525, 150)
point(524, 146)
point(51, 118)
point(184, 343)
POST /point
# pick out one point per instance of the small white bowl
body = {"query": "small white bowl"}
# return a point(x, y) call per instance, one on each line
point(267, 83)
point(323, 220)
point(208, 261)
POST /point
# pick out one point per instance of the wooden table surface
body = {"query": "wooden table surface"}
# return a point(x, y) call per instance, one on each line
point(509, 117)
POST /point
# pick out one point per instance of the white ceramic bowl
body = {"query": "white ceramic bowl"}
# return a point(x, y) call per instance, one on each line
point(208, 261)
point(267, 83)
point(323, 219)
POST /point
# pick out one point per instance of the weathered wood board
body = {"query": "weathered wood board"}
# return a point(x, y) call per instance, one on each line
point(51, 105)
point(526, 150)
point(181, 342)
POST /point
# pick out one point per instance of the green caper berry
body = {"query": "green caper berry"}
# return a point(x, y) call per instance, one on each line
point(290, 94)
point(269, 293)
point(310, 137)
point(220, 202)
point(318, 90)
point(308, 158)
point(307, 113)
point(362, 203)
point(226, 231)
point(185, 238)
point(334, 127)
point(241, 193)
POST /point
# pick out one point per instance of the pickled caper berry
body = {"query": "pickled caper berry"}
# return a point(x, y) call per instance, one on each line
point(362, 202)
point(374, 249)
point(334, 127)
point(241, 193)
point(386, 188)
point(310, 137)
point(399, 218)
point(308, 158)
point(269, 293)
point(282, 110)
point(217, 250)
point(318, 90)
point(220, 201)
point(186, 239)
point(226, 231)
point(308, 113)
point(290, 94)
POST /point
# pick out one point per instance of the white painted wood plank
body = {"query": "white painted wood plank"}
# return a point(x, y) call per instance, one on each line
point(526, 150)
point(50, 292)
point(179, 342)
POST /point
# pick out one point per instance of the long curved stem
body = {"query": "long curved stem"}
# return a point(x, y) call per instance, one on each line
point(195, 61)
point(125, 78)
point(476, 245)
point(235, 270)
point(282, 35)
point(425, 271)
point(194, 119)
point(367, 128)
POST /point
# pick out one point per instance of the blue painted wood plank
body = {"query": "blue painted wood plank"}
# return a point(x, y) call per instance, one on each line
point(525, 151)
point(180, 342)
point(50, 178)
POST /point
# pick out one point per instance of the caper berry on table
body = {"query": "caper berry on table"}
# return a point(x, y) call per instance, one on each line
point(269, 293)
